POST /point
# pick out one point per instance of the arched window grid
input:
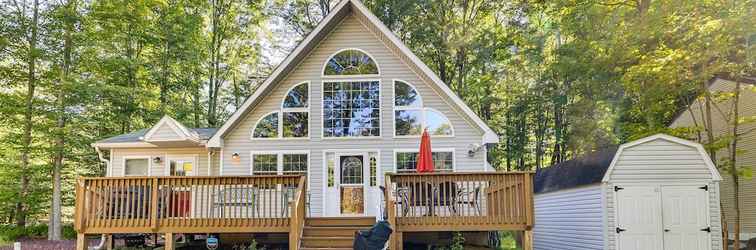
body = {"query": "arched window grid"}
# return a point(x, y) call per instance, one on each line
point(421, 109)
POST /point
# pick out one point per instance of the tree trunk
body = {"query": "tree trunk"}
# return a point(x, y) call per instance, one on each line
point(733, 162)
point(54, 227)
point(21, 206)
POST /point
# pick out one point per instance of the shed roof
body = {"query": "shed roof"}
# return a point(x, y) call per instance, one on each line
point(585, 170)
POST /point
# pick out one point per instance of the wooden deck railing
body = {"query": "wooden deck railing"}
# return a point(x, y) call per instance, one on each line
point(460, 201)
point(190, 204)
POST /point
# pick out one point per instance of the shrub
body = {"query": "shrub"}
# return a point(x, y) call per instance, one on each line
point(68, 232)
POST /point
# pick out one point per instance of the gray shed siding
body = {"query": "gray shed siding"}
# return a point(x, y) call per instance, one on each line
point(350, 33)
point(657, 162)
point(570, 219)
point(118, 154)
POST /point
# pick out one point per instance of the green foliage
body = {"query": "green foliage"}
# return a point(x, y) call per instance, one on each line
point(10, 233)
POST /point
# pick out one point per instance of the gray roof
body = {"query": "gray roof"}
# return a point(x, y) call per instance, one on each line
point(204, 134)
point(585, 170)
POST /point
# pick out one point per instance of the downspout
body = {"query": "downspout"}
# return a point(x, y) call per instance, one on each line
point(103, 238)
point(103, 160)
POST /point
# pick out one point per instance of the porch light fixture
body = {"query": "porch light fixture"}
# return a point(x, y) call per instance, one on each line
point(474, 148)
point(157, 160)
point(235, 156)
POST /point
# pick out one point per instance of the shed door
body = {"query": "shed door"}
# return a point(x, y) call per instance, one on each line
point(639, 215)
point(685, 214)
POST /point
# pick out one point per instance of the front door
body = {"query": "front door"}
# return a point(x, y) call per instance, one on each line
point(685, 215)
point(639, 218)
point(351, 169)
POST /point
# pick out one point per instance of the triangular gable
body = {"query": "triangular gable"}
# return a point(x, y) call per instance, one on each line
point(168, 129)
point(320, 32)
point(709, 164)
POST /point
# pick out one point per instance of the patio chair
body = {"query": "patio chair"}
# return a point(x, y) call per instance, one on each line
point(415, 195)
point(471, 198)
point(447, 194)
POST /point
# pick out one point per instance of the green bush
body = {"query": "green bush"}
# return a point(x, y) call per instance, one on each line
point(10, 233)
point(68, 232)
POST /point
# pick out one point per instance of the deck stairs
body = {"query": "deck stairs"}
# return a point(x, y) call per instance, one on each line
point(333, 232)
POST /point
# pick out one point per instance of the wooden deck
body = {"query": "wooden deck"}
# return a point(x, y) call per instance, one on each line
point(484, 201)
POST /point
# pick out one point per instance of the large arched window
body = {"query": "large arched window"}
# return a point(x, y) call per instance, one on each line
point(292, 120)
point(350, 62)
point(411, 117)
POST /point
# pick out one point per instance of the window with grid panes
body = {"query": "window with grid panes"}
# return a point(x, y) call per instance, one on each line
point(351, 109)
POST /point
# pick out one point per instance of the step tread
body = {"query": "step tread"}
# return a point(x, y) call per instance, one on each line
point(325, 248)
point(308, 227)
point(327, 238)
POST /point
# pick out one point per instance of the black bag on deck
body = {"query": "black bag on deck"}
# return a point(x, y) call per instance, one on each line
point(373, 239)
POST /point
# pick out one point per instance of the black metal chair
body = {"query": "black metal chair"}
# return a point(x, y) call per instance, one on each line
point(415, 195)
point(446, 195)
point(471, 198)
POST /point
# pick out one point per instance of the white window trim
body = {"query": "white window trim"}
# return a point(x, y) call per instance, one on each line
point(281, 110)
point(380, 109)
point(422, 109)
point(279, 160)
point(168, 158)
point(325, 63)
point(417, 150)
point(131, 157)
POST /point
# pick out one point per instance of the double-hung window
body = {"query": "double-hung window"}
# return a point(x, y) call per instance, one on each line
point(280, 163)
point(406, 160)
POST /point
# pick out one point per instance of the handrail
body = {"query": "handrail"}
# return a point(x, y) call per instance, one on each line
point(196, 204)
point(298, 214)
point(460, 201)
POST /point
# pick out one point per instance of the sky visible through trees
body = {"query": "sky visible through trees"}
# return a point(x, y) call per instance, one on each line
point(555, 79)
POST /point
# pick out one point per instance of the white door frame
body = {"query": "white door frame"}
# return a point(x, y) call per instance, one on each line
point(365, 179)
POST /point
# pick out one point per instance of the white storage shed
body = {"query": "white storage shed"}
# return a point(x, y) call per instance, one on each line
point(656, 193)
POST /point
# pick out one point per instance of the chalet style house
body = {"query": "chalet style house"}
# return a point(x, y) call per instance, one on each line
point(325, 146)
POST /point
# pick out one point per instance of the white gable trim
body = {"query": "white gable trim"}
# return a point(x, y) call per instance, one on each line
point(489, 136)
point(177, 128)
point(709, 164)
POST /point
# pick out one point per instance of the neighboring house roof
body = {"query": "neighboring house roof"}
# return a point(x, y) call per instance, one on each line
point(585, 170)
point(690, 99)
point(136, 136)
point(310, 42)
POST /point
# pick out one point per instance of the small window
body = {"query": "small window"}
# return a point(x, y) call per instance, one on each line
point(181, 168)
point(331, 166)
point(373, 158)
point(295, 124)
point(265, 164)
point(437, 123)
point(351, 170)
point(267, 127)
point(410, 117)
point(350, 62)
point(443, 161)
point(297, 97)
point(136, 167)
point(295, 164)
point(405, 95)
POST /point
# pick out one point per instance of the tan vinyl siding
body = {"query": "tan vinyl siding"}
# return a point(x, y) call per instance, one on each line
point(165, 132)
point(350, 34)
point(158, 169)
point(569, 219)
point(657, 162)
point(747, 144)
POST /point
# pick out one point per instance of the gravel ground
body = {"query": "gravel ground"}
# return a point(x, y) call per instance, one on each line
point(42, 244)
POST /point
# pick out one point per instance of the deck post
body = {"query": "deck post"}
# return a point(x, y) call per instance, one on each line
point(81, 241)
point(170, 243)
point(396, 241)
point(108, 241)
point(527, 240)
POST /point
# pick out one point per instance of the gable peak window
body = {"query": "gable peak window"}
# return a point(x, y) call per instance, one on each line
point(411, 117)
point(349, 62)
point(292, 120)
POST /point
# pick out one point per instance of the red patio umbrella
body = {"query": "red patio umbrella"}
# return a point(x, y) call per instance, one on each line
point(425, 157)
